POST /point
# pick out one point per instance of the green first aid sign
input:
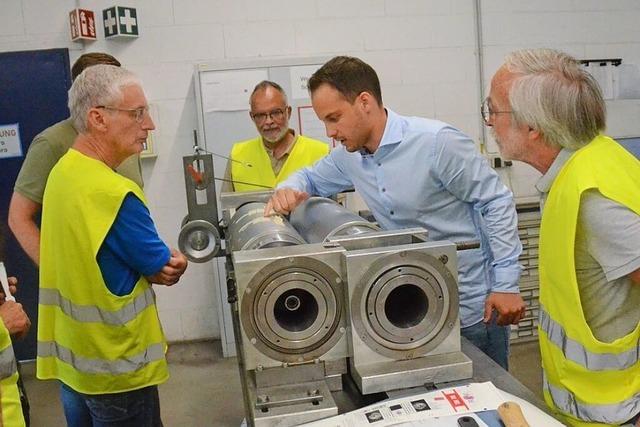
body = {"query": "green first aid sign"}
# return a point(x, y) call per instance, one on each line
point(120, 21)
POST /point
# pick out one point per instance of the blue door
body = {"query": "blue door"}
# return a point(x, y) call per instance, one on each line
point(33, 96)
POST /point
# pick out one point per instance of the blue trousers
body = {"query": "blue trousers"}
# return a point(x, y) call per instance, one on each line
point(137, 408)
point(492, 339)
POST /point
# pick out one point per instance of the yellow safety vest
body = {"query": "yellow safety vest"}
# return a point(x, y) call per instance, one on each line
point(88, 338)
point(589, 382)
point(9, 395)
point(306, 152)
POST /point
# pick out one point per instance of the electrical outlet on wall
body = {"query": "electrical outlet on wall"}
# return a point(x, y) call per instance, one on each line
point(497, 162)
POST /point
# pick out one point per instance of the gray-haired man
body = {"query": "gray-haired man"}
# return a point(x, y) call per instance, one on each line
point(98, 328)
point(547, 111)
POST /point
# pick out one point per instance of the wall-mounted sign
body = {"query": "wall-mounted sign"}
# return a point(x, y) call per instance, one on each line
point(10, 145)
point(82, 23)
point(120, 21)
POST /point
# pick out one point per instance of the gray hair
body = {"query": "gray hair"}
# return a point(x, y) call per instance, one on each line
point(97, 85)
point(263, 85)
point(555, 95)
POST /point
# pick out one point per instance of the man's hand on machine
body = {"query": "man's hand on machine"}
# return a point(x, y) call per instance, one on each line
point(284, 201)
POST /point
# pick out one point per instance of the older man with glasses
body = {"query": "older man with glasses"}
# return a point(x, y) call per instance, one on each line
point(269, 159)
point(45, 150)
point(98, 328)
point(546, 110)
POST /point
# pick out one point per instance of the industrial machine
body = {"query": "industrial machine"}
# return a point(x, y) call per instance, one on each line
point(403, 302)
point(323, 294)
point(291, 318)
point(402, 299)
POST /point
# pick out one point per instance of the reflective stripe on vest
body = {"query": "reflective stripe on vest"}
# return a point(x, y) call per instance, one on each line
point(577, 353)
point(7, 363)
point(589, 381)
point(85, 365)
point(615, 413)
point(88, 338)
point(92, 313)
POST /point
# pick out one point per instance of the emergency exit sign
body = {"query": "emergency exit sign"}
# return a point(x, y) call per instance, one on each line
point(82, 23)
point(120, 21)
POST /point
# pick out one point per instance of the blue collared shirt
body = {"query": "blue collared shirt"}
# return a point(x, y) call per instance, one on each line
point(428, 174)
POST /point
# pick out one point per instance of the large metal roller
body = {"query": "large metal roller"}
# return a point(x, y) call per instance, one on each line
point(319, 219)
point(250, 229)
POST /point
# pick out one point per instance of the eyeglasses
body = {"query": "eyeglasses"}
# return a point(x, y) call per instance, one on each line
point(260, 118)
point(138, 113)
point(487, 112)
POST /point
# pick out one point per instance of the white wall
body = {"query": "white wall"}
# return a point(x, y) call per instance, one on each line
point(423, 50)
point(587, 29)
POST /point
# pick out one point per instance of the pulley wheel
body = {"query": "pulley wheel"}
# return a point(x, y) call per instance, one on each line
point(199, 241)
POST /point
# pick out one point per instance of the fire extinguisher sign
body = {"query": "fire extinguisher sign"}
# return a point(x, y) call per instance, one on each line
point(82, 23)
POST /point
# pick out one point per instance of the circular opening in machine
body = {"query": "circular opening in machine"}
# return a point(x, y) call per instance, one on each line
point(292, 303)
point(295, 310)
point(406, 306)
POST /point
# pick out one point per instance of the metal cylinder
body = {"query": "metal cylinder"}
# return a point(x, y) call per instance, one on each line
point(318, 219)
point(292, 309)
point(405, 303)
point(250, 229)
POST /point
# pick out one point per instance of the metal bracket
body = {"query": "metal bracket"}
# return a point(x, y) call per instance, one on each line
point(313, 396)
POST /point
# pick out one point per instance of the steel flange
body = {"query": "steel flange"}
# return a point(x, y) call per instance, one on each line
point(199, 241)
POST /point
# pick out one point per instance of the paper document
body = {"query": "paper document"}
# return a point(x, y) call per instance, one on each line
point(5, 283)
point(603, 74)
point(299, 79)
point(440, 407)
point(627, 82)
point(309, 125)
point(230, 90)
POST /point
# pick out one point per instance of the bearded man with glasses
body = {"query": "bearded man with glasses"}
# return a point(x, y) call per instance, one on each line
point(269, 159)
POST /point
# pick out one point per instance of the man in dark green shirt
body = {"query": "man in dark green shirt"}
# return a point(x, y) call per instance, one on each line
point(44, 152)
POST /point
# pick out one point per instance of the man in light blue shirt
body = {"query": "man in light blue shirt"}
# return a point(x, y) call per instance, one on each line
point(415, 172)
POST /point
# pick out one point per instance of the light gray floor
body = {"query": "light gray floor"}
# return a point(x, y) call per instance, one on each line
point(204, 388)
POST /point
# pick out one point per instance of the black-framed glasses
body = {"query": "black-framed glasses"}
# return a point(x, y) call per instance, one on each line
point(276, 114)
point(487, 111)
point(138, 113)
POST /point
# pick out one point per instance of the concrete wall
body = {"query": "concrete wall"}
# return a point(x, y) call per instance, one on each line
point(423, 50)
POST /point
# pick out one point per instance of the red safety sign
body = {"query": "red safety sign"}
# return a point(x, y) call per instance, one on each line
point(83, 24)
